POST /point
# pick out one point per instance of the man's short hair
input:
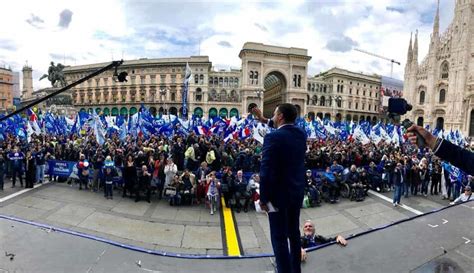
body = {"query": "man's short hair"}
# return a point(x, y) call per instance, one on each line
point(289, 112)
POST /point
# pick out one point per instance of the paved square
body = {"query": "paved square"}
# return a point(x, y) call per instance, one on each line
point(154, 233)
point(131, 207)
point(71, 214)
point(203, 237)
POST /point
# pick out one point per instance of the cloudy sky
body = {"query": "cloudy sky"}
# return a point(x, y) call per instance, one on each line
point(82, 32)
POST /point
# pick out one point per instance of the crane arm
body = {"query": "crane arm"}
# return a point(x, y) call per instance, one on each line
point(376, 55)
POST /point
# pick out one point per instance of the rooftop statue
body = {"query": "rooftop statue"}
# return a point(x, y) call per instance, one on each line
point(55, 75)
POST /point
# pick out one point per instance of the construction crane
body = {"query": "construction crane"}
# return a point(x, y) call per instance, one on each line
point(381, 57)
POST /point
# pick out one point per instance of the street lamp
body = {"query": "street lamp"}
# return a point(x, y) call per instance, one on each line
point(338, 104)
point(163, 92)
point(259, 93)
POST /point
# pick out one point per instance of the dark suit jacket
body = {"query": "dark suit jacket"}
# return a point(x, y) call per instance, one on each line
point(397, 177)
point(457, 156)
point(282, 171)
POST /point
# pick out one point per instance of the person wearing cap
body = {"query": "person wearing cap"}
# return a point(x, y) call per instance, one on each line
point(466, 196)
point(109, 174)
point(311, 239)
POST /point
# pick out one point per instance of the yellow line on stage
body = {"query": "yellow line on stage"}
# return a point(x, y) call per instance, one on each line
point(233, 248)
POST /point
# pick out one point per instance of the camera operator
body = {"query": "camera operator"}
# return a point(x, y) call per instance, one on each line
point(444, 149)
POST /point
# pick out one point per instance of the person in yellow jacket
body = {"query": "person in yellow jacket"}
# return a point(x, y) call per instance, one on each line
point(190, 160)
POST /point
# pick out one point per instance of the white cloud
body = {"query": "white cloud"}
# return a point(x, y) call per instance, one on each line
point(102, 29)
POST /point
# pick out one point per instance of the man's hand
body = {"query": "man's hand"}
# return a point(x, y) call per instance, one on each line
point(340, 240)
point(303, 255)
point(258, 114)
point(430, 140)
point(264, 206)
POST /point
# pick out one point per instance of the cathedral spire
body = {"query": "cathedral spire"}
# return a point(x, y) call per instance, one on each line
point(436, 23)
point(415, 48)
point(410, 51)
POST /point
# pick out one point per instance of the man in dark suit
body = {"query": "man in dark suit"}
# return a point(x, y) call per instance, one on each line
point(282, 182)
point(459, 157)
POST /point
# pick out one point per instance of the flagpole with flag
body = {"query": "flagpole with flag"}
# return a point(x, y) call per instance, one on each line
point(187, 79)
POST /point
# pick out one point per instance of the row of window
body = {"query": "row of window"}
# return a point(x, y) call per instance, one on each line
point(297, 80)
point(441, 97)
point(364, 92)
point(349, 117)
point(199, 79)
point(322, 101)
point(317, 87)
point(224, 81)
point(253, 77)
point(223, 96)
point(349, 106)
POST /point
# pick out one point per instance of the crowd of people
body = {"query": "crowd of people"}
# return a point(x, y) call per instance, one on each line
point(185, 168)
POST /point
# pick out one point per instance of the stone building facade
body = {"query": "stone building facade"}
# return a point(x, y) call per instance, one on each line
point(6, 89)
point(441, 87)
point(340, 94)
point(269, 75)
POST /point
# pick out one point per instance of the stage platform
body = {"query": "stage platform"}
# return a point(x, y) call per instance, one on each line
point(437, 242)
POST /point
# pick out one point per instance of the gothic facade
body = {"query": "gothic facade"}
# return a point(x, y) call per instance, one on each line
point(441, 87)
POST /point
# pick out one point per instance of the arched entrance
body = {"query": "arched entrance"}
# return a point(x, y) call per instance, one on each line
point(274, 85)
point(234, 112)
point(212, 112)
point(123, 111)
point(172, 111)
point(198, 112)
point(440, 123)
point(106, 111)
point(311, 115)
point(133, 110)
point(338, 117)
point(471, 124)
point(115, 111)
point(419, 121)
point(153, 111)
point(223, 113)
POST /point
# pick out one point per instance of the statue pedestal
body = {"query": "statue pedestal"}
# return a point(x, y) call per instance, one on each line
point(60, 104)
